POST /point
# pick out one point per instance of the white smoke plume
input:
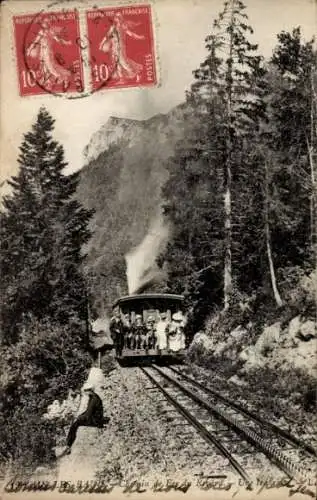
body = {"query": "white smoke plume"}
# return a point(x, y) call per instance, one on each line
point(141, 260)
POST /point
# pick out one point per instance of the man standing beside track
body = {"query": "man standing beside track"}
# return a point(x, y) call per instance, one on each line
point(116, 330)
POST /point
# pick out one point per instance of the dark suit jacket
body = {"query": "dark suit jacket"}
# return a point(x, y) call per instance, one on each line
point(94, 412)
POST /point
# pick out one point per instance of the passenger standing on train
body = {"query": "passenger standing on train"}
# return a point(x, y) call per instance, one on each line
point(151, 333)
point(144, 336)
point(138, 332)
point(127, 330)
point(116, 331)
point(176, 332)
point(162, 329)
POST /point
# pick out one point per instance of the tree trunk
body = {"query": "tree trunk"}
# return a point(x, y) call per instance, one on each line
point(276, 293)
point(228, 264)
point(311, 149)
point(227, 196)
point(87, 316)
point(313, 204)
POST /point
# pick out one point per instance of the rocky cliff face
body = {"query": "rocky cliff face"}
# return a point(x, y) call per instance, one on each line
point(111, 133)
point(161, 127)
point(122, 181)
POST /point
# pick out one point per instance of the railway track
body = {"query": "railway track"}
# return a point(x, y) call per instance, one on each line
point(246, 442)
point(301, 446)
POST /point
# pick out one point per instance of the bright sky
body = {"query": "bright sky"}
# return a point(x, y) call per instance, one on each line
point(180, 31)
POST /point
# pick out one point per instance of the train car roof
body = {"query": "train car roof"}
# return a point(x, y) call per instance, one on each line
point(142, 296)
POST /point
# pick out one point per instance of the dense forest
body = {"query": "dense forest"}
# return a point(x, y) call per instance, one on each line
point(233, 171)
point(241, 193)
point(43, 295)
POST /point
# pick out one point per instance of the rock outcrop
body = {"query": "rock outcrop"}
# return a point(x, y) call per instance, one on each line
point(292, 346)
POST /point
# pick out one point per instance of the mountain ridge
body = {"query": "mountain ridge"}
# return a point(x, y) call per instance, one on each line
point(115, 127)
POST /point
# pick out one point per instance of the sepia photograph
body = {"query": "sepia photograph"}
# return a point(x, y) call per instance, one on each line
point(158, 219)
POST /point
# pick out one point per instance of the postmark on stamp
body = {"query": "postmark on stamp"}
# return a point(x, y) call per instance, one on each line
point(48, 53)
point(121, 47)
point(114, 48)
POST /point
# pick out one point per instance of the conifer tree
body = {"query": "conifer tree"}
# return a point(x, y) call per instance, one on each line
point(291, 141)
point(236, 84)
point(43, 229)
point(227, 104)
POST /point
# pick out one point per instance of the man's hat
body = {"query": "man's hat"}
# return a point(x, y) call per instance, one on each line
point(88, 387)
point(177, 316)
point(163, 315)
point(151, 319)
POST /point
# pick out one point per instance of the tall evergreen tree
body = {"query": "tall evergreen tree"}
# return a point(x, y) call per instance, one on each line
point(292, 141)
point(43, 229)
point(227, 103)
point(236, 82)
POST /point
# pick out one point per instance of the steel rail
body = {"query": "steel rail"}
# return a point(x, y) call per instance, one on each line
point(204, 433)
point(272, 452)
point(286, 435)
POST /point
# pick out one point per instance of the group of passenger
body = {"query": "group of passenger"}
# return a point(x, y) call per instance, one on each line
point(160, 334)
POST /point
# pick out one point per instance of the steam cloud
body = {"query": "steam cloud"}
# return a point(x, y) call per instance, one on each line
point(142, 269)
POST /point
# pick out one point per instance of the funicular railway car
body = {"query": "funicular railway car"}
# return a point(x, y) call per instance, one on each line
point(149, 327)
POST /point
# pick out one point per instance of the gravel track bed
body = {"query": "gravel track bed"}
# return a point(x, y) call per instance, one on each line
point(149, 446)
point(191, 455)
point(255, 463)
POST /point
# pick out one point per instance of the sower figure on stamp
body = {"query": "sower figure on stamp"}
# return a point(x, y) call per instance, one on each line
point(115, 43)
point(42, 49)
point(92, 417)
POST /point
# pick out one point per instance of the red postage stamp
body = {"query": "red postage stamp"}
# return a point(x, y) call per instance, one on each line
point(121, 45)
point(48, 53)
